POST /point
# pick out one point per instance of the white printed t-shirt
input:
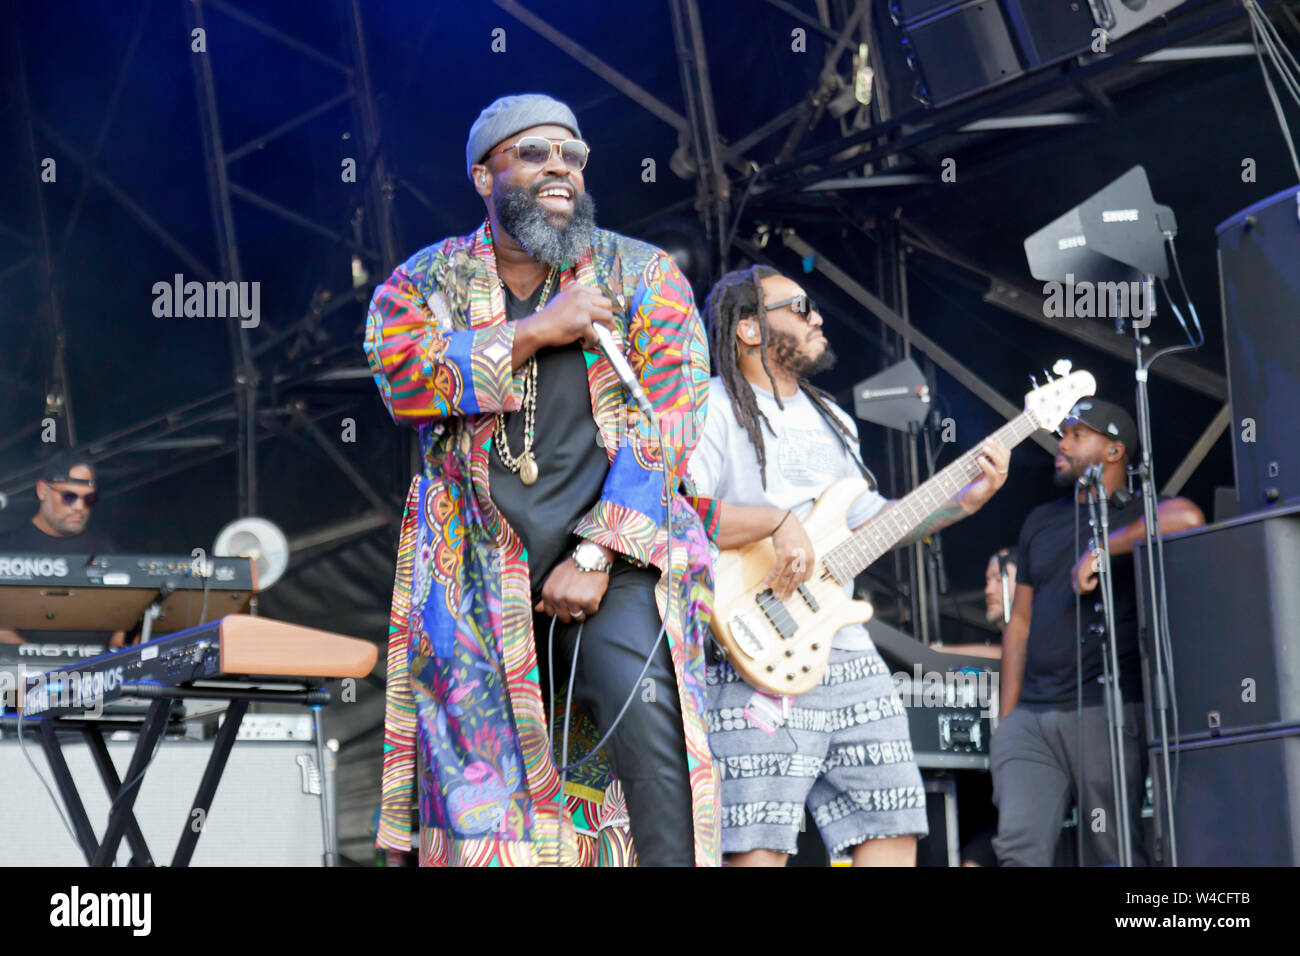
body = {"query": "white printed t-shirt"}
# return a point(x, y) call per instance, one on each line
point(804, 458)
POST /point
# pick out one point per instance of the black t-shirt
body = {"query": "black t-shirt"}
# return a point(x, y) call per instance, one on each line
point(29, 539)
point(571, 464)
point(1047, 559)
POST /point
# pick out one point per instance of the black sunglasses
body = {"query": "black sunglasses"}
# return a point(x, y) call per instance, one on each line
point(801, 305)
point(535, 152)
point(69, 498)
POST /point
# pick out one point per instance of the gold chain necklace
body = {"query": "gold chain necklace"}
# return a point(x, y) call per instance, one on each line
point(525, 464)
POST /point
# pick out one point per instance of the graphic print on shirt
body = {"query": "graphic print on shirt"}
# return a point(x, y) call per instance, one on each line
point(807, 456)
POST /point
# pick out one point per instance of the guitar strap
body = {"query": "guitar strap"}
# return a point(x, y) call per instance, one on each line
point(855, 453)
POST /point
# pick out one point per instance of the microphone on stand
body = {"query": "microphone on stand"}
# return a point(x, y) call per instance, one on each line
point(1092, 479)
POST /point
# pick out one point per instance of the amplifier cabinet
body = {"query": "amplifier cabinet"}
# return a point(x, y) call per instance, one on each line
point(1234, 623)
point(266, 812)
point(1259, 287)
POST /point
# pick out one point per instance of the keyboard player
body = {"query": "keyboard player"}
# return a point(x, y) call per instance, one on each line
point(67, 492)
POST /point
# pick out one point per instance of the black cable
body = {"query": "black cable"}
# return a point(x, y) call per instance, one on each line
point(207, 584)
point(1163, 636)
point(126, 787)
point(565, 766)
point(1262, 44)
point(663, 629)
point(564, 755)
point(1078, 687)
point(58, 807)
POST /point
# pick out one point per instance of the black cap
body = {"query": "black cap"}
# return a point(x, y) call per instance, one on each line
point(1109, 419)
point(57, 466)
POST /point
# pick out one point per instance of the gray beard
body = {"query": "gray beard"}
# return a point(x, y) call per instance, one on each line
point(526, 221)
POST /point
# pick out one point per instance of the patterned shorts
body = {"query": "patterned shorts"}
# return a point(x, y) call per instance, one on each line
point(844, 750)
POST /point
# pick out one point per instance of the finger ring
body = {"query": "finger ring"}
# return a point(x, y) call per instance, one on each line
point(576, 614)
point(1003, 472)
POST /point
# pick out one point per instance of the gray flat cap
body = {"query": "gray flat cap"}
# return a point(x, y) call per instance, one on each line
point(508, 116)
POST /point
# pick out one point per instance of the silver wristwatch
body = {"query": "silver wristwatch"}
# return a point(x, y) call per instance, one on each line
point(588, 556)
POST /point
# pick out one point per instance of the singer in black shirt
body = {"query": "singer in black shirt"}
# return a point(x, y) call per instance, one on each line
point(574, 461)
point(1037, 761)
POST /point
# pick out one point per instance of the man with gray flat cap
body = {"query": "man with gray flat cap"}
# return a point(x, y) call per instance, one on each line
point(1046, 749)
point(537, 529)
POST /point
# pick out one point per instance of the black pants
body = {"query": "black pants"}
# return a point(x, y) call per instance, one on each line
point(1037, 766)
point(648, 749)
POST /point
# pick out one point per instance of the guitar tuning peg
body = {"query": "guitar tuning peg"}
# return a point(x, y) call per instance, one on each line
point(1033, 381)
point(1062, 367)
point(1047, 376)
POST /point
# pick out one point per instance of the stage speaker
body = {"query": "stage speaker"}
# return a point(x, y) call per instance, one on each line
point(264, 812)
point(1234, 623)
point(905, 11)
point(1051, 31)
point(962, 50)
point(1238, 801)
point(1259, 286)
point(1119, 18)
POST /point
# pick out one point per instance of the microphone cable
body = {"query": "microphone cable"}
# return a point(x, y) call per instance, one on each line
point(58, 807)
point(565, 766)
point(1078, 688)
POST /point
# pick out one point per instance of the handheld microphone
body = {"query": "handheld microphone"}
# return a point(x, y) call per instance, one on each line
point(624, 371)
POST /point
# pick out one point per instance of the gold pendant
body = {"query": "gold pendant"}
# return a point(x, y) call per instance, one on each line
point(527, 468)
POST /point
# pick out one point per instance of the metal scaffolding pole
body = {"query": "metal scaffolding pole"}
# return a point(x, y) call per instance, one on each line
point(889, 138)
point(58, 395)
point(376, 201)
point(941, 357)
point(713, 187)
point(379, 185)
point(223, 223)
point(1029, 304)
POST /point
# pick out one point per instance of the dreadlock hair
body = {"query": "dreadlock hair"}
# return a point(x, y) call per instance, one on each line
point(736, 296)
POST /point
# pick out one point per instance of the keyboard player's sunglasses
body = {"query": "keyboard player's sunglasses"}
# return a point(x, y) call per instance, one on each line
point(69, 498)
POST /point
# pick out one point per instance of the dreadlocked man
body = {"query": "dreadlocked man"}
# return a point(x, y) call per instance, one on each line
point(772, 444)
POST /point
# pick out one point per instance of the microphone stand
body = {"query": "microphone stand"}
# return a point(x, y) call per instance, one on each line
point(937, 578)
point(1155, 559)
point(1099, 519)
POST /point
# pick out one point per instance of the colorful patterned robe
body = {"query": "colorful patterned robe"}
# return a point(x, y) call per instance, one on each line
point(462, 663)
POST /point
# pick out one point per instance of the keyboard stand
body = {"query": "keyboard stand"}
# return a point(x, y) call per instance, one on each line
point(122, 823)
